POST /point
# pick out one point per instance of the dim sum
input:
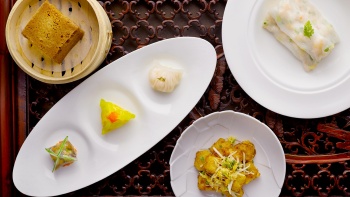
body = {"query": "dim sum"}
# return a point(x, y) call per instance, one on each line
point(113, 116)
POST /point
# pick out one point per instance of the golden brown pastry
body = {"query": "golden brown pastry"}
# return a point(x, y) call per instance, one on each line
point(52, 33)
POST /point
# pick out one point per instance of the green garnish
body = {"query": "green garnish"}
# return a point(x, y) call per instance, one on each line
point(65, 157)
point(308, 30)
point(202, 159)
point(161, 79)
point(311, 58)
point(278, 19)
point(326, 49)
point(59, 153)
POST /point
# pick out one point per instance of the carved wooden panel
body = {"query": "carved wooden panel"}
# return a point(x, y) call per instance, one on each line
point(317, 150)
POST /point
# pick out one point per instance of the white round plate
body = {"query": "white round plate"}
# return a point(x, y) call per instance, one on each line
point(125, 83)
point(272, 76)
point(269, 158)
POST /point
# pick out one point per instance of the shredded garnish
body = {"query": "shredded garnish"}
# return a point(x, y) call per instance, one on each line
point(243, 160)
point(202, 159)
point(217, 152)
point(229, 187)
point(227, 172)
point(232, 140)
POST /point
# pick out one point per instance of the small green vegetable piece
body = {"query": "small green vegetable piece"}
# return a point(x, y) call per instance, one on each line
point(232, 140)
point(326, 49)
point(161, 79)
point(308, 30)
point(311, 58)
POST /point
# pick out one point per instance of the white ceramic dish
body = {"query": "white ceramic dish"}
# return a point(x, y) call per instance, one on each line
point(205, 131)
point(124, 82)
point(272, 76)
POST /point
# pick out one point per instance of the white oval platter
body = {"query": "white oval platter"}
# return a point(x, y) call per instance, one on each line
point(124, 82)
point(269, 159)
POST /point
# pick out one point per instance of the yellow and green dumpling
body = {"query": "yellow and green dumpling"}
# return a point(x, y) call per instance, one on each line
point(113, 116)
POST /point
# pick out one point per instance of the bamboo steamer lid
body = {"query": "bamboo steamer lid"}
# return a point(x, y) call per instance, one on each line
point(82, 59)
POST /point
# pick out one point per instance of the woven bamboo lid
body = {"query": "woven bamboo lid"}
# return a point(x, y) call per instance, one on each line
point(81, 60)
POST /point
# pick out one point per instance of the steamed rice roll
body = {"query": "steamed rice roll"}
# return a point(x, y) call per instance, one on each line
point(306, 27)
point(305, 58)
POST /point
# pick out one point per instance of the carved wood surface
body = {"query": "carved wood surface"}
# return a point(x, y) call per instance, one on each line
point(317, 150)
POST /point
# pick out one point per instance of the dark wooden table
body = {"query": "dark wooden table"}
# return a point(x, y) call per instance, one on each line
point(316, 150)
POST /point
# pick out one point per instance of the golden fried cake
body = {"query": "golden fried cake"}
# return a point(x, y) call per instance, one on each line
point(52, 33)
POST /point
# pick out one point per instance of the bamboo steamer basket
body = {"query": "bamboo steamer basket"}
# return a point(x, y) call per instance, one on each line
point(82, 59)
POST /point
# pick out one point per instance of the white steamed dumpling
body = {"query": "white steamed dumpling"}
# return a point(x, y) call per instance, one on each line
point(164, 78)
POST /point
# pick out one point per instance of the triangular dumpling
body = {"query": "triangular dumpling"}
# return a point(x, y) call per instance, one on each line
point(113, 116)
